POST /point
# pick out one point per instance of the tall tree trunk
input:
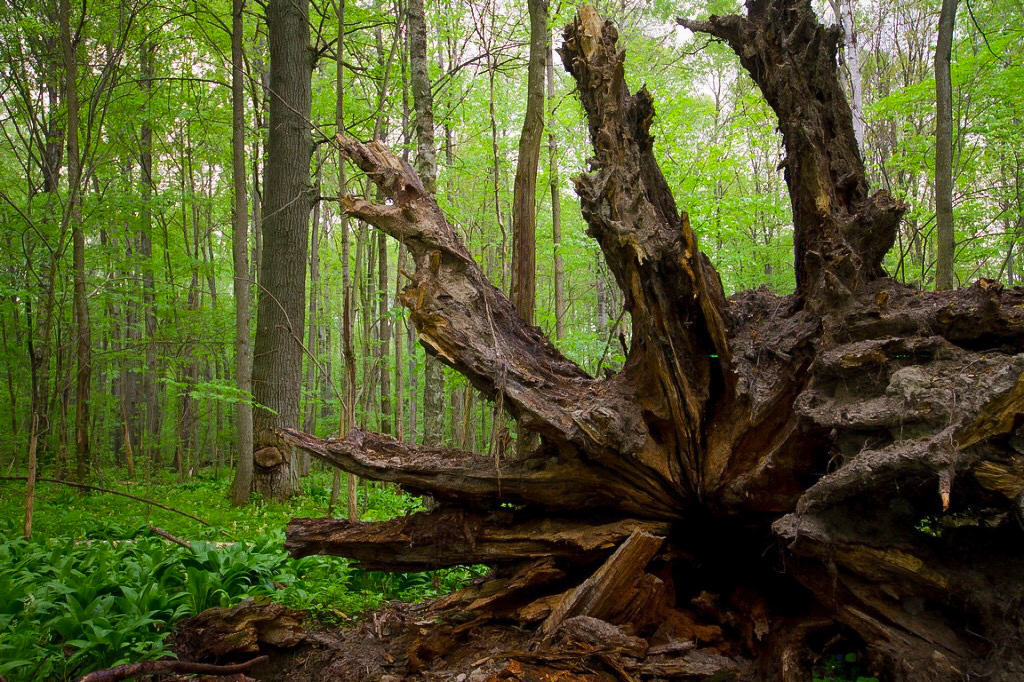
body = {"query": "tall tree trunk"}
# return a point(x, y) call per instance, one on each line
point(39, 317)
point(944, 147)
point(347, 418)
point(241, 487)
point(524, 202)
point(83, 333)
point(188, 416)
point(850, 57)
point(401, 264)
point(426, 167)
point(556, 203)
point(281, 311)
point(384, 335)
point(148, 384)
point(313, 322)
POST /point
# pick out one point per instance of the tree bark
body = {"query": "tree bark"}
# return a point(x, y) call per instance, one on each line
point(850, 58)
point(277, 357)
point(556, 202)
point(524, 199)
point(347, 418)
point(39, 309)
point(147, 380)
point(426, 166)
point(794, 446)
point(840, 232)
point(83, 333)
point(944, 147)
point(242, 484)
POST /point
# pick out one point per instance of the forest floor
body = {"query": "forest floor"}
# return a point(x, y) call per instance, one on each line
point(95, 589)
point(426, 642)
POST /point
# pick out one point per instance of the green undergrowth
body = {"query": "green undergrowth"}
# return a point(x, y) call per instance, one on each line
point(842, 668)
point(94, 588)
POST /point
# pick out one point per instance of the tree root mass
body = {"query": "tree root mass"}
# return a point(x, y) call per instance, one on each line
point(767, 480)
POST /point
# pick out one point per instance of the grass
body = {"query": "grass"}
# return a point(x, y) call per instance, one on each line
point(94, 589)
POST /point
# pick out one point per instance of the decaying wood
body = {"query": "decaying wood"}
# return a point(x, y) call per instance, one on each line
point(616, 591)
point(858, 445)
point(599, 635)
point(840, 232)
point(246, 628)
point(556, 483)
point(133, 670)
point(449, 537)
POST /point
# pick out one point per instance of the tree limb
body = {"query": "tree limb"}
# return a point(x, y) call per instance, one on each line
point(451, 537)
point(841, 234)
point(449, 474)
point(130, 670)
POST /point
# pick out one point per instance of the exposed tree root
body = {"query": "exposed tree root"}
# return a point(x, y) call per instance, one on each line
point(767, 479)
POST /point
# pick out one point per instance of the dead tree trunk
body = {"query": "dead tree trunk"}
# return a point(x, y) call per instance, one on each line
point(788, 450)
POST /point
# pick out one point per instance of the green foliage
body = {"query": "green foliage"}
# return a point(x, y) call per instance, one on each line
point(68, 607)
point(842, 668)
point(94, 589)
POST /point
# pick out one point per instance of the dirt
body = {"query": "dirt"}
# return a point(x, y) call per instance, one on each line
point(435, 642)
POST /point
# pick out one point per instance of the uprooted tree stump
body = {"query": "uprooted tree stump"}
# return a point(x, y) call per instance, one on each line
point(755, 480)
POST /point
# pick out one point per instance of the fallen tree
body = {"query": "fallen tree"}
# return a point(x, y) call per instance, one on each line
point(842, 467)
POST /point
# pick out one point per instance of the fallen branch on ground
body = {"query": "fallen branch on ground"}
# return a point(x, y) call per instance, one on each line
point(86, 486)
point(130, 670)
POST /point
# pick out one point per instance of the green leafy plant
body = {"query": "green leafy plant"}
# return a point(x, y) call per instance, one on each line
point(101, 590)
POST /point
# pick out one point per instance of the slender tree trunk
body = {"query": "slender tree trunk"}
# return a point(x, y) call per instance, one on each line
point(850, 58)
point(313, 323)
point(944, 147)
point(188, 416)
point(83, 337)
point(277, 357)
point(365, 392)
point(347, 418)
point(556, 202)
point(496, 171)
point(148, 384)
point(384, 334)
point(401, 263)
point(39, 318)
point(524, 202)
point(241, 487)
point(426, 167)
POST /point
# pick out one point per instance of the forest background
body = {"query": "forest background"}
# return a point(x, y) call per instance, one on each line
point(117, 277)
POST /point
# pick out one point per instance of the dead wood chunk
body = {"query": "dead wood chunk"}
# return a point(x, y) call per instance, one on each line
point(675, 646)
point(1006, 477)
point(750, 616)
point(504, 595)
point(609, 593)
point(697, 665)
point(539, 609)
point(683, 625)
point(220, 633)
point(450, 537)
point(599, 635)
point(429, 644)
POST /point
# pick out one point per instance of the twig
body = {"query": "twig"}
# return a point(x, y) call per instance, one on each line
point(124, 672)
point(608, 342)
point(85, 486)
point(167, 536)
